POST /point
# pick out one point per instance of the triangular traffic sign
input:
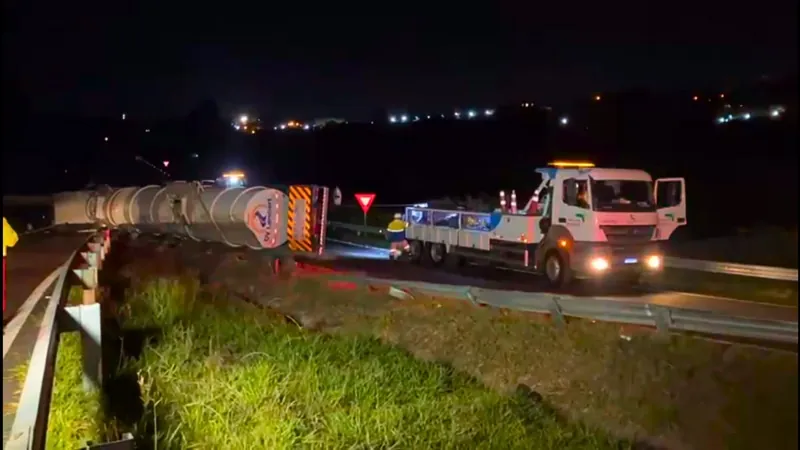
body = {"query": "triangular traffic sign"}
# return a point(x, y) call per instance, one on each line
point(365, 201)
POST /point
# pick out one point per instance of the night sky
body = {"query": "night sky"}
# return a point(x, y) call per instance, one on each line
point(315, 59)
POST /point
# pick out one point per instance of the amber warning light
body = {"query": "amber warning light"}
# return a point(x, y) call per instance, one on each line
point(572, 164)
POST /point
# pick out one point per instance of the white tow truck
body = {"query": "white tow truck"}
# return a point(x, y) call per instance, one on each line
point(581, 222)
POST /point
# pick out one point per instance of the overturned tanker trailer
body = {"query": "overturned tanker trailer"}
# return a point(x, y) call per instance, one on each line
point(256, 217)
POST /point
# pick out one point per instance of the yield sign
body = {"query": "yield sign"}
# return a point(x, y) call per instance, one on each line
point(365, 201)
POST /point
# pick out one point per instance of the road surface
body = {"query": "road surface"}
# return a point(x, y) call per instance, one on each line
point(34, 257)
point(375, 263)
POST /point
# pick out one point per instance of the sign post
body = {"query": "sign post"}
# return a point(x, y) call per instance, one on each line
point(365, 201)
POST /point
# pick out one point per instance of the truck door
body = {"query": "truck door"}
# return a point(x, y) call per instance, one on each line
point(572, 208)
point(670, 197)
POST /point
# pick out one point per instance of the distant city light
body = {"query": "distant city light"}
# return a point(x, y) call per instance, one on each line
point(597, 98)
point(457, 114)
point(195, 155)
point(746, 116)
point(471, 114)
point(123, 116)
point(564, 121)
point(306, 127)
point(147, 130)
point(695, 98)
point(165, 162)
point(392, 119)
point(489, 112)
point(243, 119)
point(404, 118)
point(105, 138)
point(721, 95)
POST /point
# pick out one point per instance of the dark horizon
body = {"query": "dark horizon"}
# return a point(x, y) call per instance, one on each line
point(155, 63)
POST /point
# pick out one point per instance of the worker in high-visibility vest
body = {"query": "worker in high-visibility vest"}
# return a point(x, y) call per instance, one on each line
point(396, 233)
point(10, 239)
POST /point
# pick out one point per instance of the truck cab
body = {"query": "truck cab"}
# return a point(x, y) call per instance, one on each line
point(597, 221)
point(581, 222)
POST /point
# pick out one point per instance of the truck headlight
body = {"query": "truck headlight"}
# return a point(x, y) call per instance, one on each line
point(653, 262)
point(599, 264)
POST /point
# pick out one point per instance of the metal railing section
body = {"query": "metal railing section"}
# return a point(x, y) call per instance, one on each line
point(664, 318)
point(29, 431)
point(726, 268)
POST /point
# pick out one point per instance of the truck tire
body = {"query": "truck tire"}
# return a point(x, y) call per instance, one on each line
point(437, 253)
point(416, 249)
point(556, 269)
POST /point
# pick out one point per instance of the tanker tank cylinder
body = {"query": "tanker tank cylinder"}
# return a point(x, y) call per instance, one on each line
point(253, 217)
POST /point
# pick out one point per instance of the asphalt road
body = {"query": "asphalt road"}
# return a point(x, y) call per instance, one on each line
point(33, 258)
point(37, 255)
point(376, 264)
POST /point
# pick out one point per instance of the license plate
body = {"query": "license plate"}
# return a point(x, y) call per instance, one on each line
point(631, 260)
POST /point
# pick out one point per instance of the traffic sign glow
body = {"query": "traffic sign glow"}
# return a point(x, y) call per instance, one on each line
point(365, 201)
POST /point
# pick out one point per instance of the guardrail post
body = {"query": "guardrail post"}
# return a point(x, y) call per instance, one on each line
point(87, 271)
point(107, 240)
point(557, 314)
point(87, 319)
point(662, 317)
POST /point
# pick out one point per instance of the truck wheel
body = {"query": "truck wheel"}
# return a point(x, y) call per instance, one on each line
point(415, 251)
point(556, 269)
point(437, 253)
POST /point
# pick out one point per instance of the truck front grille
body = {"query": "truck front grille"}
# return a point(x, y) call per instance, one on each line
point(628, 234)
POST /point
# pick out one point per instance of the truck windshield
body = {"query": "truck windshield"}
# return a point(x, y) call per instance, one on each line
point(622, 196)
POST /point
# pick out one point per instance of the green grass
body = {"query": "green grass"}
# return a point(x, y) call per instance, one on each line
point(226, 375)
point(731, 286)
point(675, 391)
point(75, 416)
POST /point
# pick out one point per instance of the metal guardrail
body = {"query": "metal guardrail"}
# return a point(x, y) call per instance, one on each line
point(664, 318)
point(726, 268)
point(29, 430)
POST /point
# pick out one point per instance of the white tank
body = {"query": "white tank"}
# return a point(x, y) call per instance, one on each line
point(254, 217)
point(73, 208)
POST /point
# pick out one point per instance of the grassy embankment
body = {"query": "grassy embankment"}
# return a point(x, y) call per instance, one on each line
point(224, 374)
point(221, 373)
point(76, 415)
point(730, 286)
